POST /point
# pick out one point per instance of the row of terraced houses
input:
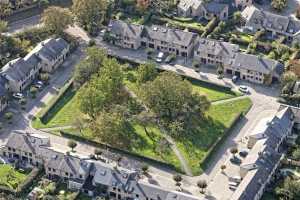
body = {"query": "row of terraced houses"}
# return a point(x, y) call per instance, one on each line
point(204, 51)
point(93, 177)
point(20, 73)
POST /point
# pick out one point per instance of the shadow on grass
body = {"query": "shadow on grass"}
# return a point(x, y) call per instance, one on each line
point(67, 97)
point(198, 141)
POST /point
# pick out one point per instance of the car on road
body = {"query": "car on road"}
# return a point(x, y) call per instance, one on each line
point(235, 160)
point(159, 57)
point(235, 79)
point(244, 89)
point(243, 153)
point(236, 179)
point(38, 85)
point(233, 185)
point(18, 95)
point(170, 58)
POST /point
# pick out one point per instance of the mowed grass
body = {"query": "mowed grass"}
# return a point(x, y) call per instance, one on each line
point(64, 113)
point(213, 92)
point(10, 177)
point(196, 145)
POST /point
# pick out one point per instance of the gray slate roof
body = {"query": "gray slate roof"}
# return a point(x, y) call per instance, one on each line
point(20, 67)
point(262, 19)
point(188, 4)
point(21, 142)
point(215, 47)
point(215, 7)
point(169, 35)
point(256, 63)
point(122, 28)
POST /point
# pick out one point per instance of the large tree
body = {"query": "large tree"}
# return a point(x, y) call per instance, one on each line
point(279, 5)
point(3, 26)
point(57, 19)
point(89, 13)
point(172, 98)
point(146, 72)
point(110, 127)
point(89, 66)
point(104, 89)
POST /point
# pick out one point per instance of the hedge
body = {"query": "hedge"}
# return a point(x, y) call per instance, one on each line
point(25, 185)
point(210, 26)
point(29, 181)
point(206, 161)
point(44, 113)
point(116, 150)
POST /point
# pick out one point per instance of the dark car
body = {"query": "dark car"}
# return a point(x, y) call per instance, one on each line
point(235, 160)
point(243, 154)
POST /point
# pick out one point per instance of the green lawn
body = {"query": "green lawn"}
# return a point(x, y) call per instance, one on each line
point(64, 113)
point(10, 177)
point(196, 144)
point(213, 92)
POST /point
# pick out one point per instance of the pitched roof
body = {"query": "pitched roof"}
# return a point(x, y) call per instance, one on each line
point(188, 4)
point(263, 19)
point(215, 47)
point(123, 28)
point(21, 142)
point(19, 68)
point(215, 7)
point(259, 64)
point(169, 35)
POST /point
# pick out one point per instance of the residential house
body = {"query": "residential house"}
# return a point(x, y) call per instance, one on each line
point(255, 68)
point(21, 72)
point(52, 53)
point(274, 24)
point(214, 52)
point(173, 41)
point(24, 147)
point(73, 169)
point(46, 56)
point(160, 38)
point(204, 51)
point(260, 165)
point(92, 177)
point(124, 34)
point(202, 9)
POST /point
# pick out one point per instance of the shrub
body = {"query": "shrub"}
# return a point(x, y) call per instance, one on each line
point(92, 42)
point(23, 101)
point(8, 116)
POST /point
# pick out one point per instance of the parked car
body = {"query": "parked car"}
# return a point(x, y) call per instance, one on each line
point(233, 184)
point(170, 58)
point(236, 179)
point(18, 95)
point(159, 57)
point(243, 153)
point(235, 160)
point(244, 89)
point(235, 79)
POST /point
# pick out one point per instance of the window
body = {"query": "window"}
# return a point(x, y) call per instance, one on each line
point(53, 170)
point(49, 168)
point(67, 174)
point(30, 154)
point(14, 150)
point(80, 176)
point(9, 149)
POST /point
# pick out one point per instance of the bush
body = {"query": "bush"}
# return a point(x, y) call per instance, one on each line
point(92, 42)
point(8, 116)
point(23, 101)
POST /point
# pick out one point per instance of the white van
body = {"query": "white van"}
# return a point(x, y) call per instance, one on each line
point(159, 57)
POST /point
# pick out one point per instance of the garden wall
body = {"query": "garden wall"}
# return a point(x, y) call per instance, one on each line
point(206, 161)
point(116, 150)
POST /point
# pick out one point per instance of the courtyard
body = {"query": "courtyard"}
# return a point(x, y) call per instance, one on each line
point(65, 114)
